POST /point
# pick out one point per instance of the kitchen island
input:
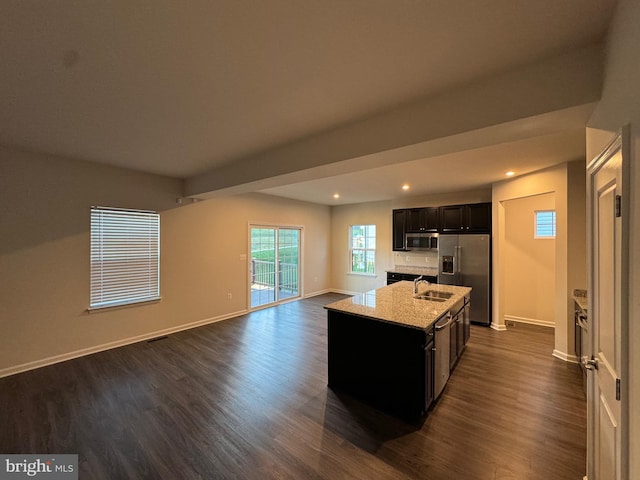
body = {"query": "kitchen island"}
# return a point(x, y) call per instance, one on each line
point(381, 344)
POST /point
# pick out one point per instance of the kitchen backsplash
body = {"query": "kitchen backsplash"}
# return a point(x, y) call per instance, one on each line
point(422, 259)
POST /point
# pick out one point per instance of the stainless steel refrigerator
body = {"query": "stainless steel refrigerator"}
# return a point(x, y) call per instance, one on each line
point(466, 260)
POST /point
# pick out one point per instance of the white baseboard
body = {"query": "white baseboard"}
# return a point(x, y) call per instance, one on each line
point(319, 292)
point(530, 321)
point(500, 328)
point(344, 292)
point(5, 372)
point(565, 356)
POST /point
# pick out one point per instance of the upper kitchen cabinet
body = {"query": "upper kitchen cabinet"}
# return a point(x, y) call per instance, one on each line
point(473, 218)
point(400, 218)
point(423, 220)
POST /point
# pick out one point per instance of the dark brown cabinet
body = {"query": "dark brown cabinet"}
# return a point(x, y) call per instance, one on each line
point(429, 371)
point(453, 343)
point(400, 218)
point(423, 220)
point(460, 330)
point(472, 218)
point(393, 277)
point(386, 365)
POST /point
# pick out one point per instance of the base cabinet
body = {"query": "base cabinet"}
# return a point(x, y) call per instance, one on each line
point(429, 371)
point(385, 365)
point(460, 331)
point(393, 277)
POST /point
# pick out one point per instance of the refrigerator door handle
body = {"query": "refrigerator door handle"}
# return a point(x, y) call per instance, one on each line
point(458, 259)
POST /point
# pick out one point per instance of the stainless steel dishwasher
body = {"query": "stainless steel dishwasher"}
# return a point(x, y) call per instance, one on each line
point(441, 366)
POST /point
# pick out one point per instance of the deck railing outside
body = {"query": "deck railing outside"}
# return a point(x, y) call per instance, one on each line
point(263, 273)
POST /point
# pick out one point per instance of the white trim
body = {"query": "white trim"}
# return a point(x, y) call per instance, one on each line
point(565, 356)
point(5, 372)
point(318, 293)
point(621, 142)
point(530, 321)
point(498, 327)
point(352, 248)
point(116, 306)
point(344, 292)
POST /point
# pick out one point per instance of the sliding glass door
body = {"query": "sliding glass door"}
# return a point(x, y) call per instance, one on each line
point(275, 266)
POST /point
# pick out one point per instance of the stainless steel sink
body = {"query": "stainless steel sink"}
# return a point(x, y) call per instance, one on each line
point(429, 298)
point(434, 296)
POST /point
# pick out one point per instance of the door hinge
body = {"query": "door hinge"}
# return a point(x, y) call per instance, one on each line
point(618, 205)
point(617, 389)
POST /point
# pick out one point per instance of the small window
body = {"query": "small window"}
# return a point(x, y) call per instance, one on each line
point(545, 224)
point(125, 257)
point(362, 249)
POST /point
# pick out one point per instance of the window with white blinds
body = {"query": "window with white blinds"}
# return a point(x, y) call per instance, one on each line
point(125, 256)
point(545, 224)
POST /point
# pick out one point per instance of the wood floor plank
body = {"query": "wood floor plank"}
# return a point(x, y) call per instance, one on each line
point(247, 398)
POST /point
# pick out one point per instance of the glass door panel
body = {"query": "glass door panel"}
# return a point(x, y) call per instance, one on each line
point(263, 270)
point(275, 267)
point(288, 267)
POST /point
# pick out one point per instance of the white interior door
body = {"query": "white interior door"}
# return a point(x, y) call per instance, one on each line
point(605, 361)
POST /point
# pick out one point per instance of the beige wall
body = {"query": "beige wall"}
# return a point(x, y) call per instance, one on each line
point(620, 105)
point(437, 200)
point(44, 256)
point(530, 264)
point(342, 217)
point(379, 213)
point(576, 226)
point(552, 180)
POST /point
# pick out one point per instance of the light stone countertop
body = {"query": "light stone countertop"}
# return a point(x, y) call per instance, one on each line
point(411, 270)
point(395, 303)
point(580, 297)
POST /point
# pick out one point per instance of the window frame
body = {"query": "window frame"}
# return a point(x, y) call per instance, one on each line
point(537, 225)
point(364, 249)
point(124, 258)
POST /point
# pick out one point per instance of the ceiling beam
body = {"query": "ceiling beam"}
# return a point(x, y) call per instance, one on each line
point(431, 126)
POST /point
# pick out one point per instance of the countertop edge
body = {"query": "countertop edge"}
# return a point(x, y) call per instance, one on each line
point(402, 305)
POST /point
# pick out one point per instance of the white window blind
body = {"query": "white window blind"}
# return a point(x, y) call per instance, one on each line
point(125, 256)
point(545, 224)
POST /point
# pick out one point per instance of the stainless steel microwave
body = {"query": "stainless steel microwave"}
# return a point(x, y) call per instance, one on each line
point(421, 241)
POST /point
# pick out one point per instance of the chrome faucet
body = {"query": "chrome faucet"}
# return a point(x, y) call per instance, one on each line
point(417, 282)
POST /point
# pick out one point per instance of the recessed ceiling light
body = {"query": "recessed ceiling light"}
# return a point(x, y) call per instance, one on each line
point(405, 187)
point(336, 195)
point(510, 173)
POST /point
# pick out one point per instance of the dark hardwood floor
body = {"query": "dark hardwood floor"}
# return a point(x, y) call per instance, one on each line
point(247, 398)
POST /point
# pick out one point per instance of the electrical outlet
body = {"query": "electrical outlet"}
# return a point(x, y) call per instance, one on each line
point(229, 296)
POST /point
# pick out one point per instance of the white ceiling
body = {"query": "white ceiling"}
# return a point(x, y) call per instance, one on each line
point(179, 88)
